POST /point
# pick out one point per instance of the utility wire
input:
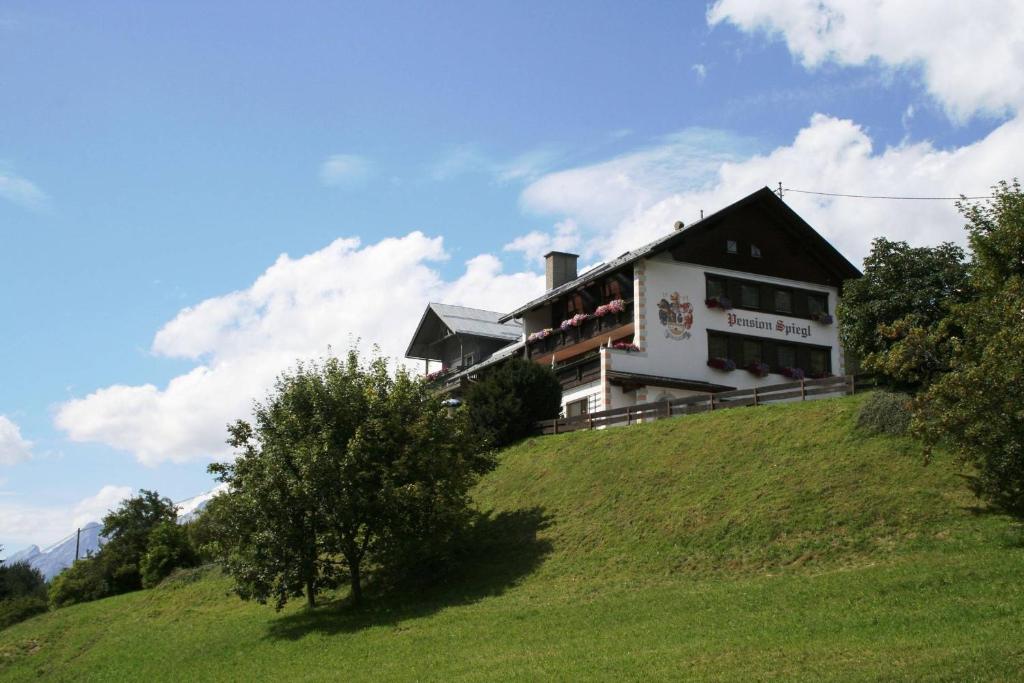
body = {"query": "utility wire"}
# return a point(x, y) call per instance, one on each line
point(880, 196)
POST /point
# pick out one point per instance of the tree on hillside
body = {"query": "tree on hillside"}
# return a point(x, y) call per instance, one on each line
point(344, 464)
point(128, 529)
point(84, 581)
point(895, 318)
point(22, 592)
point(167, 549)
point(506, 404)
point(978, 406)
point(19, 580)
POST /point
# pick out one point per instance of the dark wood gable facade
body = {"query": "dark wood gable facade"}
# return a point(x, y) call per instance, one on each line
point(762, 236)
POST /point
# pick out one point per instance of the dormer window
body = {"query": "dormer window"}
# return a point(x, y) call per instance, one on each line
point(755, 251)
point(731, 247)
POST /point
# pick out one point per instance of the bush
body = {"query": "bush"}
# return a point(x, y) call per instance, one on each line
point(21, 580)
point(885, 412)
point(81, 582)
point(168, 549)
point(507, 403)
point(14, 610)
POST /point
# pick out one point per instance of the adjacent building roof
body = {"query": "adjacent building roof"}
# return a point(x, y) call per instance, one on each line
point(765, 197)
point(440, 320)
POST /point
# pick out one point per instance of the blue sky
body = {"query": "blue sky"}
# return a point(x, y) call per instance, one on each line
point(157, 160)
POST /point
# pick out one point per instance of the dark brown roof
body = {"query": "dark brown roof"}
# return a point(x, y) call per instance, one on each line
point(828, 255)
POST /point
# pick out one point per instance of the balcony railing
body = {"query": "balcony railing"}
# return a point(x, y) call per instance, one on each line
point(594, 327)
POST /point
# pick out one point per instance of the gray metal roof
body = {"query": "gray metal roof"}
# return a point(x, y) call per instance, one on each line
point(440, 320)
point(462, 320)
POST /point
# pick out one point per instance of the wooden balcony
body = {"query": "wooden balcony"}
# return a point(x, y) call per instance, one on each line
point(562, 344)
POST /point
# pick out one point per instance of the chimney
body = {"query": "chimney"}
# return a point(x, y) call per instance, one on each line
point(559, 268)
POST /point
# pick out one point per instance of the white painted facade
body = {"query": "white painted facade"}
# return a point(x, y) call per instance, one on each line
point(683, 354)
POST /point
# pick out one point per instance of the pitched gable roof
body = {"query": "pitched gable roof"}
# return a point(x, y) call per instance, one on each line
point(439, 319)
point(764, 199)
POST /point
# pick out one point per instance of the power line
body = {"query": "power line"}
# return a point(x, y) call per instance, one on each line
point(879, 196)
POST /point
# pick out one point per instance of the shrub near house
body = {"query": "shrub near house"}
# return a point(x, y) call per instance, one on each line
point(22, 593)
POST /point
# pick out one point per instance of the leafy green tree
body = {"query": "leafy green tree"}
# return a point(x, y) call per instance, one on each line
point(168, 548)
point(84, 581)
point(207, 528)
point(19, 580)
point(344, 465)
point(978, 406)
point(506, 404)
point(895, 318)
point(128, 529)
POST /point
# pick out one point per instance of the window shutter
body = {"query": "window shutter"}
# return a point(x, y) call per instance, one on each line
point(803, 358)
point(735, 293)
point(770, 354)
point(735, 349)
point(800, 306)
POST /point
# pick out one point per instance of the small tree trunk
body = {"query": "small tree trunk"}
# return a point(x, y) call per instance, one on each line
point(357, 586)
point(310, 592)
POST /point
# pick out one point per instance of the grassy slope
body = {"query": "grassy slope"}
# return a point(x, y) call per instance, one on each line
point(775, 542)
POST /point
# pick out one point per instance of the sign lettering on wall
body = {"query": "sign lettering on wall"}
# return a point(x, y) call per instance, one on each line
point(675, 315)
point(781, 326)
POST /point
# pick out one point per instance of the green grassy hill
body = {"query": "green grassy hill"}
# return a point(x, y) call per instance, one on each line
point(774, 542)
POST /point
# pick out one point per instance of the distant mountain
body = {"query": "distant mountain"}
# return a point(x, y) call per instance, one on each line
point(190, 508)
point(26, 555)
point(54, 559)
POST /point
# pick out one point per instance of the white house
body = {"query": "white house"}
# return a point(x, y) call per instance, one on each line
point(744, 297)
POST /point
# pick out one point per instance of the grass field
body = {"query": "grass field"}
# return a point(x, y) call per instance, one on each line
point(767, 543)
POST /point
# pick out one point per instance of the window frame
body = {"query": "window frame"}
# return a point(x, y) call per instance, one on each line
point(799, 296)
point(769, 351)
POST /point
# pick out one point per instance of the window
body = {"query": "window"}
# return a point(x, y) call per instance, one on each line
point(577, 408)
point(785, 356)
point(783, 301)
point(718, 346)
point(750, 296)
point(818, 361)
point(731, 247)
point(467, 360)
point(716, 287)
point(573, 305)
point(817, 303)
point(612, 290)
point(755, 251)
point(751, 352)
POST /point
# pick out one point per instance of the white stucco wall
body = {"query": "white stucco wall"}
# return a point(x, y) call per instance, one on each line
point(685, 356)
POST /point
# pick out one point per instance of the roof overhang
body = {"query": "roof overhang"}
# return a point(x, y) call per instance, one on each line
point(636, 379)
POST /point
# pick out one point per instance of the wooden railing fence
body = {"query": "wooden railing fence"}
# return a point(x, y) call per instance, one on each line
point(646, 412)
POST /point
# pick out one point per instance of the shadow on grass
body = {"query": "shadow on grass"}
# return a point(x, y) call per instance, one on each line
point(503, 550)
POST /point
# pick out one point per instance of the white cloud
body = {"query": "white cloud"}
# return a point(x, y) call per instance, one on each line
point(829, 153)
point(605, 194)
point(970, 54)
point(240, 341)
point(13, 447)
point(343, 169)
point(969, 57)
point(95, 508)
point(700, 70)
point(21, 191)
point(535, 244)
point(44, 525)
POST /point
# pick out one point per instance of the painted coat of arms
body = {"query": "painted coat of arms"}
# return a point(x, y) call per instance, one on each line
point(676, 316)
